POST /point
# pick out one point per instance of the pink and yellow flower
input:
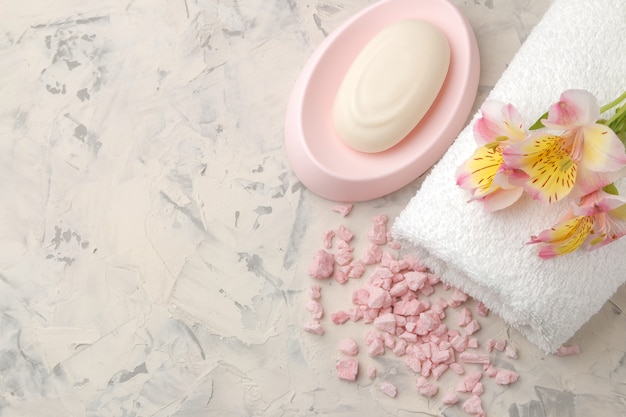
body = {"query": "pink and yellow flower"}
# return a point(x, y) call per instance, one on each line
point(582, 157)
point(484, 174)
point(599, 218)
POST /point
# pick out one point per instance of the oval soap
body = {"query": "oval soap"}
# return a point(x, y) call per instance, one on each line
point(391, 84)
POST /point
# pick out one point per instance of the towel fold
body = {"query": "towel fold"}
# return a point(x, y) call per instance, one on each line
point(577, 44)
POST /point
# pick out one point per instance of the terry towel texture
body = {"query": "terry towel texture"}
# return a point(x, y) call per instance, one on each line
point(577, 44)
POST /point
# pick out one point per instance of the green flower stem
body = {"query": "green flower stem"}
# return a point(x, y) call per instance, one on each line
point(613, 103)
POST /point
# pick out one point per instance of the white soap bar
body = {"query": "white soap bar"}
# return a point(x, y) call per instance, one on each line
point(391, 85)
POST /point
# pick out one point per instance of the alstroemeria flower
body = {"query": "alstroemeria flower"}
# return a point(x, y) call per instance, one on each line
point(599, 218)
point(484, 174)
point(581, 157)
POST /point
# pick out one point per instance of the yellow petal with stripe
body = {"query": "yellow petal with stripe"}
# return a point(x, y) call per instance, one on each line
point(546, 160)
point(565, 237)
point(478, 172)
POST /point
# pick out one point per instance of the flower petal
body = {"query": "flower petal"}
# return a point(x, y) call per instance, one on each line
point(565, 237)
point(611, 226)
point(477, 173)
point(599, 202)
point(551, 171)
point(575, 108)
point(602, 149)
point(501, 198)
point(588, 181)
point(498, 120)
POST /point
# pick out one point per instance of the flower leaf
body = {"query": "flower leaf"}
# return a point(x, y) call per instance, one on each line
point(539, 123)
point(611, 189)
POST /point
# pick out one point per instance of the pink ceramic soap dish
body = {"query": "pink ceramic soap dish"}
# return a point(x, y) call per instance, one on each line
point(322, 161)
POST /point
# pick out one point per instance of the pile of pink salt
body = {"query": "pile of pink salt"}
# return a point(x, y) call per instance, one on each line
point(397, 299)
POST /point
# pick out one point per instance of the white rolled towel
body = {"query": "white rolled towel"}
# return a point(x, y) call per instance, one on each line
point(578, 44)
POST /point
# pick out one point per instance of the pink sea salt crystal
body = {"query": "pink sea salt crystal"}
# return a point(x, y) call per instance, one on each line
point(373, 254)
point(344, 253)
point(315, 308)
point(348, 346)
point(388, 389)
point(413, 363)
point(465, 317)
point(378, 297)
point(392, 243)
point(397, 265)
point(370, 314)
point(459, 343)
point(347, 369)
point(376, 347)
point(457, 368)
point(426, 388)
point(490, 344)
point(389, 340)
point(400, 348)
point(386, 322)
point(343, 209)
point(339, 317)
point(440, 356)
point(371, 371)
point(482, 310)
point(356, 269)
point(471, 327)
point(506, 377)
point(380, 275)
point(413, 263)
point(415, 279)
point(458, 297)
point(400, 319)
point(439, 332)
point(568, 350)
point(490, 371)
point(473, 405)
point(341, 276)
point(398, 289)
point(323, 265)
point(472, 343)
point(315, 292)
point(500, 345)
point(314, 327)
point(344, 233)
point(444, 344)
point(360, 296)
point(327, 238)
point(343, 258)
point(439, 370)
point(468, 382)
point(355, 314)
point(423, 351)
point(378, 232)
point(427, 289)
point(408, 307)
point(478, 389)
point(428, 321)
point(387, 259)
point(440, 305)
point(450, 399)
point(510, 352)
point(397, 277)
point(371, 336)
point(409, 337)
point(471, 357)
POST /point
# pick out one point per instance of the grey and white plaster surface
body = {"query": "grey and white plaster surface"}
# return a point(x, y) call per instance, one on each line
point(154, 241)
